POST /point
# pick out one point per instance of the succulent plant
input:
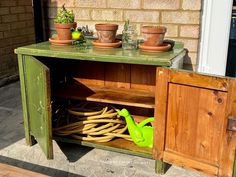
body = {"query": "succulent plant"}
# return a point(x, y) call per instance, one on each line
point(64, 16)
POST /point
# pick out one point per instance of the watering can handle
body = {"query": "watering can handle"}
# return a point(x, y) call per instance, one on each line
point(146, 121)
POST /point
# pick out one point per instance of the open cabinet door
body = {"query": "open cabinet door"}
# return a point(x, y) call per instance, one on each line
point(195, 120)
point(36, 101)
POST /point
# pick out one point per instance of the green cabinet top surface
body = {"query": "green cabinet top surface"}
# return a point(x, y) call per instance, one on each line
point(116, 55)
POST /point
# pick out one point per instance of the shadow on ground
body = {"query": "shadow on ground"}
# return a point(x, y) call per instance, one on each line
point(11, 118)
point(37, 168)
point(73, 152)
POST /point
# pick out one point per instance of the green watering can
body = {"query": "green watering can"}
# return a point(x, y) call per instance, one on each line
point(141, 134)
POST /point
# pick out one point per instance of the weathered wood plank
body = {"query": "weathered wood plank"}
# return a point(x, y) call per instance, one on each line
point(143, 77)
point(37, 80)
point(195, 120)
point(117, 75)
point(88, 73)
point(198, 80)
point(129, 97)
point(11, 171)
point(116, 55)
point(229, 137)
point(162, 78)
point(24, 100)
point(189, 163)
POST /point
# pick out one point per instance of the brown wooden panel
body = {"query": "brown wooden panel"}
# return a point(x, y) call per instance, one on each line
point(117, 145)
point(88, 73)
point(228, 144)
point(117, 75)
point(195, 122)
point(198, 80)
point(189, 163)
point(143, 77)
point(159, 124)
point(128, 97)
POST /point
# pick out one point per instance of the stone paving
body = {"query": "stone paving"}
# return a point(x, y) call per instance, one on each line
point(69, 160)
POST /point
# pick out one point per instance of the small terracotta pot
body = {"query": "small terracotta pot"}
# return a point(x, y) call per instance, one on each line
point(63, 30)
point(153, 35)
point(106, 32)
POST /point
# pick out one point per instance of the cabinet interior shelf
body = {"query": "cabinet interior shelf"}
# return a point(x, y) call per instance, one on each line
point(116, 145)
point(126, 97)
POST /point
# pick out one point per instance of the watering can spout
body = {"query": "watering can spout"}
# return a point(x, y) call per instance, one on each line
point(141, 134)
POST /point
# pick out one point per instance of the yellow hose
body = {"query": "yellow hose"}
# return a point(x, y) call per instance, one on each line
point(100, 125)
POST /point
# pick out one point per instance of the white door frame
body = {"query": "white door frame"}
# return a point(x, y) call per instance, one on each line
point(216, 19)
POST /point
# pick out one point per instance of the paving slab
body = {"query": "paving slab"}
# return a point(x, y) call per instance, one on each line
point(70, 160)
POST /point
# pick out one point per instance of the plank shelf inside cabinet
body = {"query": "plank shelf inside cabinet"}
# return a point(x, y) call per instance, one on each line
point(116, 145)
point(126, 97)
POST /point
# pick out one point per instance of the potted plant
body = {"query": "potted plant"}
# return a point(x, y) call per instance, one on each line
point(106, 32)
point(63, 23)
point(153, 35)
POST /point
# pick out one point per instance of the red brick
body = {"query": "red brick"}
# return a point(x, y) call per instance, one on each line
point(24, 2)
point(26, 31)
point(20, 40)
point(7, 3)
point(9, 18)
point(29, 9)
point(5, 42)
point(29, 23)
point(9, 34)
point(17, 10)
point(18, 25)
point(6, 50)
point(4, 10)
point(27, 16)
point(4, 27)
point(1, 35)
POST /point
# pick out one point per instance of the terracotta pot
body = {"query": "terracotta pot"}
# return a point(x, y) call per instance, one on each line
point(63, 30)
point(106, 32)
point(153, 35)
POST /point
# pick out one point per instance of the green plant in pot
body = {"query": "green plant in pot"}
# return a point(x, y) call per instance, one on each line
point(63, 23)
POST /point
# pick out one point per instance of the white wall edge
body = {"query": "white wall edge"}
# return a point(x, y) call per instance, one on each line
point(214, 38)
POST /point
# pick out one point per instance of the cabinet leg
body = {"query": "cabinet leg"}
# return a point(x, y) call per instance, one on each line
point(161, 167)
point(30, 140)
point(234, 167)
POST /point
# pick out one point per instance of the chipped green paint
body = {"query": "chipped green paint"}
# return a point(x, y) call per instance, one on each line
point(234, 167)
point(117, 55)
point(36, 101)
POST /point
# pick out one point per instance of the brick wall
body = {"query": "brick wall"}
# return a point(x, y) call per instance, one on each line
point(16, 29)
point(181, 17)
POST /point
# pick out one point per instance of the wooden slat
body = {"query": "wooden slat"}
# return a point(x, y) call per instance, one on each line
point(117, 75)
point(11, 171)
point(198, 80)
point(116, 145)
point(189, 163)
point(129, 97)
point(143, 77)
point(88, 73)
point(229, 138)
point(162, 78)
point(195, 122)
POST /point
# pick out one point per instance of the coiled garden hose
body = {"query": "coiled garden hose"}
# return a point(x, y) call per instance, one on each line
point(100, 126)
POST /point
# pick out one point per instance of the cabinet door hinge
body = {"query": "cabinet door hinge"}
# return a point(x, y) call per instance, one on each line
point(231, 123)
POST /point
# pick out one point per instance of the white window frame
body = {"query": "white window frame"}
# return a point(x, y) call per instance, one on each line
point(215, 29)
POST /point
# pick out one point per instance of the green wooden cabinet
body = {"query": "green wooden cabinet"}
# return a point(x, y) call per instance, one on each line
point(143, 81)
